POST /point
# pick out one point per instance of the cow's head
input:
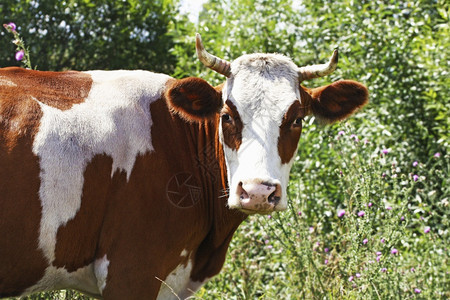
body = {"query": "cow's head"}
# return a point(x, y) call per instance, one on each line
point(261, 107)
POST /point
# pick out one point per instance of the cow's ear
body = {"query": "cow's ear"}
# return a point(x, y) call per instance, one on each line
point(194, 99)
point(335, 101)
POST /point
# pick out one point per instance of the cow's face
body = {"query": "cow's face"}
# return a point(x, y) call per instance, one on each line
point(260, 126)
point(261, 107)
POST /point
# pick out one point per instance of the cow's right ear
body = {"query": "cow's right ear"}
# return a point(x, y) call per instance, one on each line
point(194, 99)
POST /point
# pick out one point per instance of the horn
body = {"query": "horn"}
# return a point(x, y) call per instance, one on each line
point(315, 71)
point(213, 62)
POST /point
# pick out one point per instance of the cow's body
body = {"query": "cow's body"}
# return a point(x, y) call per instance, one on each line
point(116, 183)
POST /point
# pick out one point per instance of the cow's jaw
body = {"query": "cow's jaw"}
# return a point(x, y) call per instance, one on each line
point(257, 97)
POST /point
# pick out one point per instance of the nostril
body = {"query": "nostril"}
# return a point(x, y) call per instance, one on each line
point(241, 192)
point(274, 199)
point(275, 196)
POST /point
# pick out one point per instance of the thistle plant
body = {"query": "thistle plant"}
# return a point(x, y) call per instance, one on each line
point(22, 52)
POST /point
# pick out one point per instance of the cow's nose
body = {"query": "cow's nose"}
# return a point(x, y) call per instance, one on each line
point(259, 197)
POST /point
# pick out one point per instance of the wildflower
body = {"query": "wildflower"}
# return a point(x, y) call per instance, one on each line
point(361, 213)
point(355, 137)
point(413, 270)
point(299, 213)
point(384, 270)
point(350, 278)
point(365, 241)
point(385, 151)
point(417, 291)
point(378, 258)
point(326, 250)
point(269, 216)
point(383, 175)
point(358, 275)
point(342, 132)
point(394, 251)
point(366, 142)
point(11, 26)
point(382, 240)
point(326, 261)
point(437, 155)
point(427, 229)
point(341, 213)
point(311, 229)
point(402, 218)
point(266, 242)
point(415, 177)
point(269, 247)
point(378, 253)
point(370, 204)
point(20, 54)
point(388, 207)
point(414, 164)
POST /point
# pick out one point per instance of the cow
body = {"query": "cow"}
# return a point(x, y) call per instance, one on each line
point(131, 184)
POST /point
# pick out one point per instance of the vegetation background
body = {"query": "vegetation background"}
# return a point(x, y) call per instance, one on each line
point(387, 167)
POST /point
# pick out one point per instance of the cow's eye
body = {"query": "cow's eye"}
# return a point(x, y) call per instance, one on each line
point(226, 118)
point(297, 122)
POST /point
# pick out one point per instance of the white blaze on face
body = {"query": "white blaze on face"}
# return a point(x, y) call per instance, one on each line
point(114, 120)
point(262, 87)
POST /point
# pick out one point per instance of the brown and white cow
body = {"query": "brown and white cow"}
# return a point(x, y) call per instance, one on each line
point(112, 182)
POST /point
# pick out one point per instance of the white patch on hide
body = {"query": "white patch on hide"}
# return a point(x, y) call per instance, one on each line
point(114, 120)
point(101, 272)
point(176, 282)
point(82, 280)
point(5, 81)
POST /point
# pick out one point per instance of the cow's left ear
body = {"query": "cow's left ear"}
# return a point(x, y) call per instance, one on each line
point(335, 101)
point(194, 99)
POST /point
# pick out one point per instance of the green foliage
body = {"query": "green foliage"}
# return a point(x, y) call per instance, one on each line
point(88, 34)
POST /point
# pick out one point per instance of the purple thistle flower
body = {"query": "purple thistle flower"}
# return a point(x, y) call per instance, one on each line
point(414, 164)
point(350, 278)
point(365, 241)
point(415, 177)
point(382, 240)
point(378, 258)
point(311, 229)
point(11, 26)
point(437, 155)
point(266, 242)
point(269, 247)
point(384, 270)
point(413, 270)
point(326, 250)
point(394, 251)
point(269, 217)
point(355, 137)
point(378, 253)
point(20, 54)
point(342, 132)
point(326, 261)
point(299, 213)
point(341, 213)
point(370, 204)
point(427, 229)
point(358, 275)
point(385, 151)
point(361, 213)
point(388, 207)
point(417, 291)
